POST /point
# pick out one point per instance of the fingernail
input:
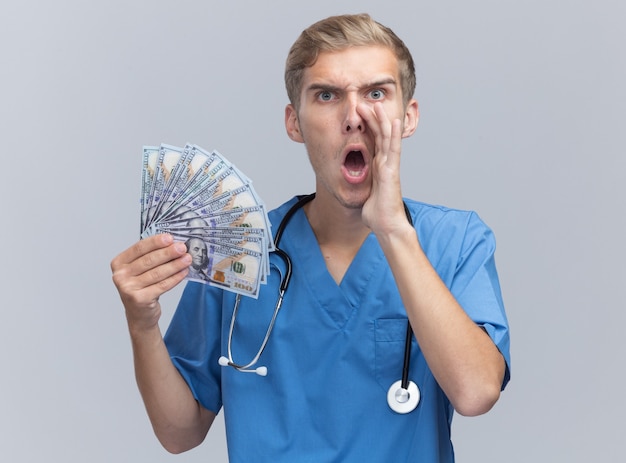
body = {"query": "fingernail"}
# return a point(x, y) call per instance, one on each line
point(180, 247)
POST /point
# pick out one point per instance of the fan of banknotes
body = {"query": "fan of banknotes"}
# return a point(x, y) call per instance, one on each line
point(203, 200)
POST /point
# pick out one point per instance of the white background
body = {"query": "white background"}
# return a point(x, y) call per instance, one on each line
point(522, 115)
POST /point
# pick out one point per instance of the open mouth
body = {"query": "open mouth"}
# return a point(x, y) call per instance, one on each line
point(355, 167)
point(354, 163)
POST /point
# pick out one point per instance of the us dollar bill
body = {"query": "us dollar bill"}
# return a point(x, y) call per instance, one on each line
point(203, 200)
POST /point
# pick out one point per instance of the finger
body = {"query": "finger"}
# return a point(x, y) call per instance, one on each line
point(147, 287)
point(384, 123)
point(172, 257)
point(395, 143)
point(149, 268)
point(391, 130)
point(381, 127)
point(375, 118)
point(141, 248)
point(165, 276)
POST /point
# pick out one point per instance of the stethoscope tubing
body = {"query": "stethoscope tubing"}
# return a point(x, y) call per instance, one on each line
point(403, 396)
point(409, 330)
point(285, 278)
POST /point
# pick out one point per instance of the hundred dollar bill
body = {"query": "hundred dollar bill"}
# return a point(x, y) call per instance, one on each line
point(168, 157)
point(173, 182)
point(254, 217)
point(198, 193)
point(255, 241)
point(201, 164)
point(150, 155)
point(242, 196)
point(242, 218)
point(227, 180)
point(249, 243)
point(196, 165)
point(214, 177)
point(232, 268)
point(214, 201)
point(203, 200)
point(200, 229)
point(243, 237)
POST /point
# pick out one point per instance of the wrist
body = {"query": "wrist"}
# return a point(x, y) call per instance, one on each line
point(142, 326)
point(402, 235)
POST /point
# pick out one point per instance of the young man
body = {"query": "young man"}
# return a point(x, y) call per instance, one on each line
point(360, 271)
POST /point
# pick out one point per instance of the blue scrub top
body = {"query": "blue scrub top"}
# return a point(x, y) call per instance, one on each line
point(335, 349)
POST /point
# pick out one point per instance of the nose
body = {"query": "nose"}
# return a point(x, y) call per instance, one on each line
point(353, 121)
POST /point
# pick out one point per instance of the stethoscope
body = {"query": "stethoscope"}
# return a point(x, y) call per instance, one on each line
point(403, 396)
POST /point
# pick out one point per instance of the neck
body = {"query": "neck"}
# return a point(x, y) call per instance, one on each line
point(334, 224)
point(339, 231)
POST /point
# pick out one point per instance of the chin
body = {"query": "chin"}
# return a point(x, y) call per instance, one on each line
point(354, 200)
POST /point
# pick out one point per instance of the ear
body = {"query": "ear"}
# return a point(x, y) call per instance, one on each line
point(411, 118)
point(291, 124)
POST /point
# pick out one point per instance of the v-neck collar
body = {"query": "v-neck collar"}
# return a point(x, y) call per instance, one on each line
point(340, 301)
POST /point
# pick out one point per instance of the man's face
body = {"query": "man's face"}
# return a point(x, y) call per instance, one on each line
point(336, 92)
point(197, 250)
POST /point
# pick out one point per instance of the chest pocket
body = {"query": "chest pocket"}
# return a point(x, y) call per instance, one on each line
point(390, 335)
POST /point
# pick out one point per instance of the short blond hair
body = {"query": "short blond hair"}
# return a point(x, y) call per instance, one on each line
point(337, 33)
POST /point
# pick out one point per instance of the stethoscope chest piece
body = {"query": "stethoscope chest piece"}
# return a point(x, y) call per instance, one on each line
point(403, 400)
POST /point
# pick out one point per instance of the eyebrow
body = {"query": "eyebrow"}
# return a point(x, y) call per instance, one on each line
point(334, 88)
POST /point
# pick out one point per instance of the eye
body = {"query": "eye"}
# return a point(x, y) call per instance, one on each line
point(377, 94)
point(325, 95)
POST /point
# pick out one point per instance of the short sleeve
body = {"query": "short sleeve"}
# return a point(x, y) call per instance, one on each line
point(193, 342)
point(477, 288)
